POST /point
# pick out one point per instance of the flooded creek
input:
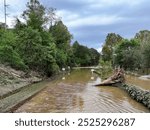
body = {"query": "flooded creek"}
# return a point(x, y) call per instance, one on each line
point(75, 92)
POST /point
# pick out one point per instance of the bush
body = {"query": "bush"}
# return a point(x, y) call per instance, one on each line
point(52, 69)
point(37, 50)
point(8, 37)
point(11, 57)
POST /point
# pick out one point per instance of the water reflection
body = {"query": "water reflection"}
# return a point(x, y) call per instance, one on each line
point(92, 78)
point(63, 78)
point(92, 75)
point(77, 93)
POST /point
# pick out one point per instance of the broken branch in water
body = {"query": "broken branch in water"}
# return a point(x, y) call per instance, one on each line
point(117, 77)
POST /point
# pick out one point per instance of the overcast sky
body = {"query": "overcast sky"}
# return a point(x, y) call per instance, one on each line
point(91, 20)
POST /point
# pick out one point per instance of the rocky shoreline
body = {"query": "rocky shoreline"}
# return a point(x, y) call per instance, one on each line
point(140, 95)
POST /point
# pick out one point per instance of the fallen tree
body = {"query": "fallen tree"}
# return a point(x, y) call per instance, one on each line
point(118, 80)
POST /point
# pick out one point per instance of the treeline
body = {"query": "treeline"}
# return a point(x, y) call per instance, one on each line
point(41, 42)
point(133, 54)
point(83, 56)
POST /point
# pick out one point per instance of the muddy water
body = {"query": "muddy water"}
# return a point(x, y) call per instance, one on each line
point(143, 83)
point(75, 92)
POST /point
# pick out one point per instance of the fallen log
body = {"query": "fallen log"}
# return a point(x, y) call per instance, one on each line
point(117, 77)
point(118, 80)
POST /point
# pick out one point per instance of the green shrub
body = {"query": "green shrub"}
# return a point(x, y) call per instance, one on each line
point(11, 57)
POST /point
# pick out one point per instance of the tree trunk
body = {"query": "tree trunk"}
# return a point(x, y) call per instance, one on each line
point(116, 78)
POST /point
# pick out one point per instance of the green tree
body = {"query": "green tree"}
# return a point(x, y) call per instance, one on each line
point(95, 56)
point(61, 58)
point(144, 37)
point(8, 37)
point(37, 50)
point(8, 53)
point(36, 45)
point(84, 56)
point(35, 15)
point(19, 25)
point(62, 38)
point(61, 35)
point(146, 56)
point(126, 54)
point(112, 39)
point(10, 57)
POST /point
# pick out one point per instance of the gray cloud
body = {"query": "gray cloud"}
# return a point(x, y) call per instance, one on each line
point(91, 20)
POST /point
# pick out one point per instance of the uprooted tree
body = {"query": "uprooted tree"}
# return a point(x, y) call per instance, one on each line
point(116, 78)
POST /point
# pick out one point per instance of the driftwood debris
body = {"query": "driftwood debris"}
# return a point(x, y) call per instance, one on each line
point(117, 77)
point(118, 80)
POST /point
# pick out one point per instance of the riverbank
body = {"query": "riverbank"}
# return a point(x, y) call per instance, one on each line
point(141, 76)
point(145, 77)
point(138, 94)
point(88, 67)
point(13, 101)
point(14, 87)
point(12, 80)
point(136, 90)
point(17, 87)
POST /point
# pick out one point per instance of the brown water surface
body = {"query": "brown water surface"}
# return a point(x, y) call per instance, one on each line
point(75, 92)
point(142, 83)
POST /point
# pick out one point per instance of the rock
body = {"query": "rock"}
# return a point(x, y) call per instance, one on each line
point(138, 94)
